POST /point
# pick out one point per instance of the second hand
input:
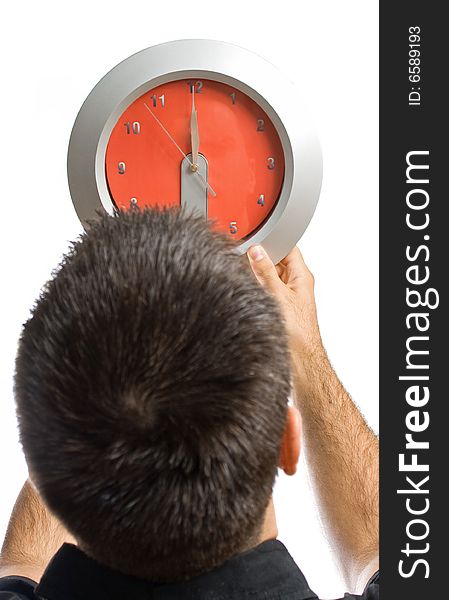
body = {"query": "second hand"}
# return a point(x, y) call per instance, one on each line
point(209, 188)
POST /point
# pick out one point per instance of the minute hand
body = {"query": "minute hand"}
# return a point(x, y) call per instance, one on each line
point(208, 187)
point(194, 133)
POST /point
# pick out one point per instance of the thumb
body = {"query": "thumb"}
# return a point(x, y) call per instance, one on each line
point(264, 269)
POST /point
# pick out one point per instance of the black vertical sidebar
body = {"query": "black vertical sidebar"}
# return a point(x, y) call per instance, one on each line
point(414, 332)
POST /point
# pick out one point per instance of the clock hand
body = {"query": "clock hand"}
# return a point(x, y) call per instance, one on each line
point(208, 187)
point(194, 134)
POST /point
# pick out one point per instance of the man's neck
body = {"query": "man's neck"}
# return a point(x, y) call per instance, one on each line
point(269, 529)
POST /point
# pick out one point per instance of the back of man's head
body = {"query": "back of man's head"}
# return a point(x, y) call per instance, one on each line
point(151, 385)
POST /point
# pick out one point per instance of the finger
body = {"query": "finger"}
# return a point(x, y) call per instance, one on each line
point(295, 265)
point(263, 268)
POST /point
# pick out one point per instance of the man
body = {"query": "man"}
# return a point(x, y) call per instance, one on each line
point(152, 387)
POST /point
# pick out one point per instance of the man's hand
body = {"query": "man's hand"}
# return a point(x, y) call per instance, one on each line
point(341, 450)
point(33, 536)
point(291, 282)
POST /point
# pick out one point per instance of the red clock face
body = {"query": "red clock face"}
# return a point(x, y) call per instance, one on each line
point(226, 160)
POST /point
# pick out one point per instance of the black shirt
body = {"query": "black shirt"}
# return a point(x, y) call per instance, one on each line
point(267, 572)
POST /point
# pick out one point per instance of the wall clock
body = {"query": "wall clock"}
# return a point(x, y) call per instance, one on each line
point(201, 124)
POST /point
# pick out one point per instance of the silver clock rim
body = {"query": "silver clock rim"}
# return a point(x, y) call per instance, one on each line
point(219, 61)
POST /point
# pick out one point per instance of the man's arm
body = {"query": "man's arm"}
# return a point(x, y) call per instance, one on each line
point(341, 450)
point(33, 536)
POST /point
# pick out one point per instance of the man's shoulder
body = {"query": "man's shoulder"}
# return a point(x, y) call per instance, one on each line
point(371, 591)
point(21, 588)
point(17, 588)
point(268, 571)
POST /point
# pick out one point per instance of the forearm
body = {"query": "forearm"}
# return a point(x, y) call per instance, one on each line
point(341, 450)
point(33, 536)
point(342, 455)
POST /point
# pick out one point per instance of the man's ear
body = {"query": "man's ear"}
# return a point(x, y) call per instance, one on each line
point(291, 441)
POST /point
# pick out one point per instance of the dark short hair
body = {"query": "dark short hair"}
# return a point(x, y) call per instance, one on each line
point(152, 383)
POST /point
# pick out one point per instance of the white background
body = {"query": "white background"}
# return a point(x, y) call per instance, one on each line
point(53, 53)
